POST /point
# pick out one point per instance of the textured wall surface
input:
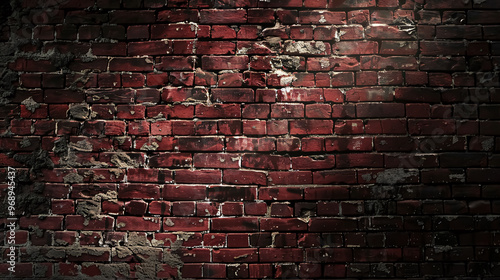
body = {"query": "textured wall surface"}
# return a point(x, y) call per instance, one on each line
point(250, 139)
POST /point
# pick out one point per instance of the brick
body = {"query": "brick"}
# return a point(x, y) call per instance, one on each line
point(322, 17)
point(280, 193)
point(184, 192)
point(214, 16)
point(224, 62)
point(163, 31)
point(267, 162)
point(198, 176)
point(185, 224)
point(233, 95)
point(381, 110)
point(301, 127)
point(130, 64)
point(333, 63)
point(417, 95)
point(282, 224)
point(231, 193)
point(334, 177)
point(138, 223)
point(273, 254)
point(386, 32)
point(458, 32)
point(250, 144)
point(240, 224)
point(236, 255)
point(289, 177)
point(149, 48)
point(355, 48)
point(49, 223)
point(300, 95)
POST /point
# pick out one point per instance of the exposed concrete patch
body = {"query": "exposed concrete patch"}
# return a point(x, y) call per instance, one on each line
point(79, 112)
point(41, 254)
point(146, 271)
point(394, 176)
point(30, 104)
point(153, 147)
point(89, 209)
point(302, 47)
point(109, 196)
point(82, 146)
point(39, 270)
point(73, 178)
point(60, 146)
point(487, 145)
point(36, 161)
point(122, 160)
point(135, 239)
point(25, 142)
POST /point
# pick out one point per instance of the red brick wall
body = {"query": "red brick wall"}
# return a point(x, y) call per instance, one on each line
point(251, 139)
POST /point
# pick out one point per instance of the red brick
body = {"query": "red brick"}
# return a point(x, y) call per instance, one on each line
point(239, 224)
point(250, 144)
point(134, 191)
point(149, 48)
point(282, 224)
point(185, 224)
point(236, 255)
point(214, 16)
point(198, 176)
point(175, 63)
point(218, 111)
point(224, 62)
point(233, 95)
point(282, 254)
point(138, 223)
point(232, 193)
point(301, 127)
point(244, 177)
point(50, 222)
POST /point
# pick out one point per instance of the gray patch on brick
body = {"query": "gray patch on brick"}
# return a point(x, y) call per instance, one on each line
point(30, 104)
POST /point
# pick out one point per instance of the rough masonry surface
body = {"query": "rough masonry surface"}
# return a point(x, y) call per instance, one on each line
point(251, 139)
